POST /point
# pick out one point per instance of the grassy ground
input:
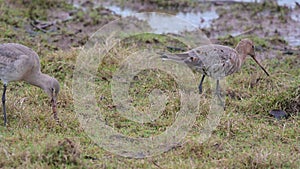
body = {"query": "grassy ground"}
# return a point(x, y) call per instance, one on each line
point(246, 137)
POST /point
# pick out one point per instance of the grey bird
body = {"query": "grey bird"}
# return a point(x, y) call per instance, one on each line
point(216, 61)
point(20, 63)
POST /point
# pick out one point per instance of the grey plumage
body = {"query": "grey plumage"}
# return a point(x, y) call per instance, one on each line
point(20, 63)
point(211, 60)
point(216, 61)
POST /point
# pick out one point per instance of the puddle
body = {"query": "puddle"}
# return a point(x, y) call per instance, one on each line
point(288, 3)
point(124, 12)
point(296, 16)
point(162, 23)
point(199, 19)
point(292, 40)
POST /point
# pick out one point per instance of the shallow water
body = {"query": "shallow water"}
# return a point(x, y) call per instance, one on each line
point(197, 19)
point(288, 3)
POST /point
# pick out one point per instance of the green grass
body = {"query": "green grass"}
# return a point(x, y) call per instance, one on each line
point(166, 4)
point(247, 137)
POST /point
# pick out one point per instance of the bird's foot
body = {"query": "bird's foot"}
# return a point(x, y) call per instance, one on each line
point(200, 90)
point(220, 100)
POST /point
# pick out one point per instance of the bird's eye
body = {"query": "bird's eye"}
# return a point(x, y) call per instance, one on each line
point(252, 46)
point(192, 59)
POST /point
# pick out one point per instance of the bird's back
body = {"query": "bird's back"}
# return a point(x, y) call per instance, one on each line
point(212, 60)
point(16, 61)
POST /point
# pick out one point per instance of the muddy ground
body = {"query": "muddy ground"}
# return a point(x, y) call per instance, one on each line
point(65, 25)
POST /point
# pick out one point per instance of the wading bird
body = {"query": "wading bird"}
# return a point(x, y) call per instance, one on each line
point(216, 61)
point(20, 63)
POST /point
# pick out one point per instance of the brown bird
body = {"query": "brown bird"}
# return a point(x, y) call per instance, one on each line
point(216, 61)
point(20, 63)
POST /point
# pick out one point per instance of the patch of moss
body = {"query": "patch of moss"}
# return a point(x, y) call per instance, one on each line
point(232, 41)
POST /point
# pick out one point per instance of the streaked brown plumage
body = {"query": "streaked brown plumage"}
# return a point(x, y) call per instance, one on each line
point(20, 63)
point(216, 61)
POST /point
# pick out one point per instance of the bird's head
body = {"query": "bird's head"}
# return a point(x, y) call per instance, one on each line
point(52, 88)
point(246, 47)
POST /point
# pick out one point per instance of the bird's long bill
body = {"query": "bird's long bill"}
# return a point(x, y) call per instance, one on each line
point(261, 66)
point(53, 104)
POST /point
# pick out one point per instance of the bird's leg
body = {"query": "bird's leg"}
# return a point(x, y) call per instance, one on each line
point(218, 88)
point(218, 93)
point(200, 85)
point(3, 104)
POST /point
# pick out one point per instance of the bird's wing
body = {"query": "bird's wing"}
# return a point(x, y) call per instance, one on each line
point(211, 60)
point(184, 58)
point(219, 61)
point(15, 61)
point(7, 57)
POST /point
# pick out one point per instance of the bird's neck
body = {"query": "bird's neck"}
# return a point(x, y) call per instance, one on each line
point(38, 79)
point(242, 53)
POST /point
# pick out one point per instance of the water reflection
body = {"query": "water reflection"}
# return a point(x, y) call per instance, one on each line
point(288, 3)
point(194, 20)
point(199, 19)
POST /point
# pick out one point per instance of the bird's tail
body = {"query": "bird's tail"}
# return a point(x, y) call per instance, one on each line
point(180, 57)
